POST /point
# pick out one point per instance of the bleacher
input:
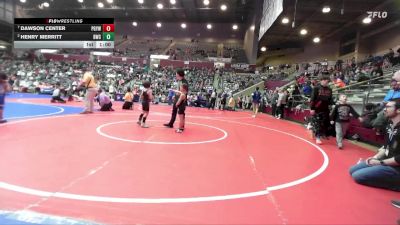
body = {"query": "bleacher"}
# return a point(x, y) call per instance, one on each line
point(236, 52)
point(142, 48)
point(369, 92)
point(195, 50)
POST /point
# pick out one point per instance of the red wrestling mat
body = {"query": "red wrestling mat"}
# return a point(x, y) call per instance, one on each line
point(226, 168)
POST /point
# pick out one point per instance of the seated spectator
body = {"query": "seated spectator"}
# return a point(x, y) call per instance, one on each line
point(377, 71)
point(383, 169)
point(361, 76)
point(307, 89)
point(57, 94)
point(395, 91)
point(380, 122)
point(369, 115)
point(77, 98)
point(128, 99)
point(339, 83)
point(104, 101)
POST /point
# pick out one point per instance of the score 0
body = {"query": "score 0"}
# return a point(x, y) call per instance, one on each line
point(108, 32)
point(108, 27)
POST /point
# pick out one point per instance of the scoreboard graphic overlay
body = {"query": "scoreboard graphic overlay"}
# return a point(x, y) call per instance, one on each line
point(64, 33)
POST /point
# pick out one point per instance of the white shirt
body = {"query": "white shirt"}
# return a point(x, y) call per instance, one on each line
point(111, 89)
point(213, 95)
point(56, 92)
point(104, 99)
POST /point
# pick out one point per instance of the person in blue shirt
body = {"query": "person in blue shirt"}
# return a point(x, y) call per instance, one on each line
point(4, 88)
point(395, 91)
point(380, 122)
point(256, 101)
point(171, 95)
point(307, 89)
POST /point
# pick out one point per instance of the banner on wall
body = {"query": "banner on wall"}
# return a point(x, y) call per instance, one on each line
point(241, 66)
point(219, 65)
point(244, 67)
point(223, 60)
point(271, 11)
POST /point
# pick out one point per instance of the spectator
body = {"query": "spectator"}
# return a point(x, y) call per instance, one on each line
point(395, 84)
point(4, 88)
point(104, 101)
point(369, 115)
point(281, 103)
point(383, 169)
point(56, 97)
point(380, 122)
point(274, 102)
point(223, 101)
point(339, 83)
point(256, 101)
point(239, 102)
point(244, 102)
point(170, 96)
point(390, 54)
point(376, 72)
point(213, 98)
point(307, 89)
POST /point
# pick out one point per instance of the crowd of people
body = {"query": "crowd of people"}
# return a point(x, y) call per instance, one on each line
point(381, 170)
point(215, 89)
point(63, 76)
point(196, 50)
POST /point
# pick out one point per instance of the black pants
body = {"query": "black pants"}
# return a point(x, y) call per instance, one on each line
point(281, 110)
point(127, 105)
point(57, 99)
point(173, 115)
point(106, 107)
point(274, 109)
point(212, 103)
point(322, 126)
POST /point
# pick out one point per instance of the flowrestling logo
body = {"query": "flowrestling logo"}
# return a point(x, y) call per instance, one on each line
point(377, 14)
